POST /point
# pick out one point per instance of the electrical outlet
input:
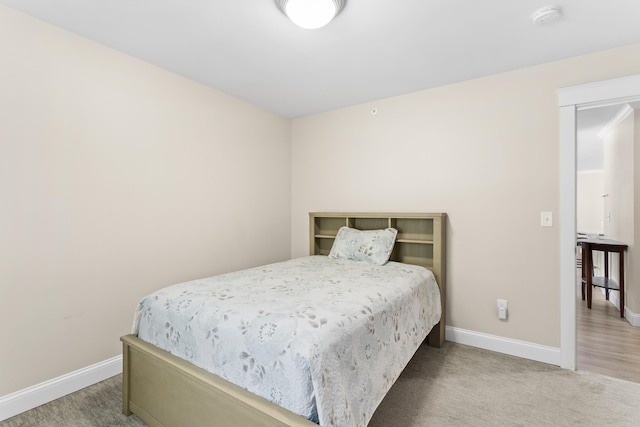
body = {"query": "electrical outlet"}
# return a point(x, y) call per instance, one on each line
point(502, 309)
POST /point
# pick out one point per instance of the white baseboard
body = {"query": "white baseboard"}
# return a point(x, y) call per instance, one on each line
point(39, 394)
point(518, 348)
point(632, 318)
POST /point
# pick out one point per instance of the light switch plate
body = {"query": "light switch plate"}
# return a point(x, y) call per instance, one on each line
point(502, 309)
point(546, 219)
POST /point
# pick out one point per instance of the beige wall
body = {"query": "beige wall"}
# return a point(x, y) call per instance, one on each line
point(117, 178)
point(589, 202)
point(485, 151)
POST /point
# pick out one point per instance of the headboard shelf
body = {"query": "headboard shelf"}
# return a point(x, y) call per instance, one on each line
point(399, 240)
point(421, 239)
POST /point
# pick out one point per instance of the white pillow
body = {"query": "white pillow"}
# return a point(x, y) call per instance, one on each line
point(373, 246)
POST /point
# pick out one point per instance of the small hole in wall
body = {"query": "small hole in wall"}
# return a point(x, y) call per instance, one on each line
point(374, 111)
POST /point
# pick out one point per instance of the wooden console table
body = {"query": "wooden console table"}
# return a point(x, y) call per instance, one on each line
point(589, 280)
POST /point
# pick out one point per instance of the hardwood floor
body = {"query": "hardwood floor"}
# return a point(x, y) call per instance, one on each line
point(607, 344)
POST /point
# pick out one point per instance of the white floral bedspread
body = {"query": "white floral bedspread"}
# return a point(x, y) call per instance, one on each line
point(321, 337)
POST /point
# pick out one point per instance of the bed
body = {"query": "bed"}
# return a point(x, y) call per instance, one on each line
point(171, 388)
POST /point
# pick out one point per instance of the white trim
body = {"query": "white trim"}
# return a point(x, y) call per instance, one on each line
point(570, 99)
point(600, 94)
point(614, 299)
point(498, 344)
point(632, 318)
point(613, 123)
point(567, 222)
point(39, 394)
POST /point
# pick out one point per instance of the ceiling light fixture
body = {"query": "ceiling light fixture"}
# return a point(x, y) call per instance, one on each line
point(311, 14)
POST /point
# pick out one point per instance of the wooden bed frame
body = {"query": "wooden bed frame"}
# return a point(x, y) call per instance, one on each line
point(164, 390)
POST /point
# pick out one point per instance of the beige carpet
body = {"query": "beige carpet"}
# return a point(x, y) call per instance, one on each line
point(465, 386)
point(453, 386)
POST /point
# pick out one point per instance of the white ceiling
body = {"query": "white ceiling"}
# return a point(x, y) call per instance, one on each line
point(374, 49)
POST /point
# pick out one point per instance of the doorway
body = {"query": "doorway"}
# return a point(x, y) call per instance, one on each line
point(606, 343)
point(570, 100)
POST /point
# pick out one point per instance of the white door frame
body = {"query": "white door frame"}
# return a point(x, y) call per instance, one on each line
point(570, 100)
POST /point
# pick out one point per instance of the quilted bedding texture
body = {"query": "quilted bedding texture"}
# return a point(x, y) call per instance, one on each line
point(323, 338)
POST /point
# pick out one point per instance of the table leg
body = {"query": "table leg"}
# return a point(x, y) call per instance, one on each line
point(606, 274)
point(621, 255)
point(589, 259)
point(583, 270)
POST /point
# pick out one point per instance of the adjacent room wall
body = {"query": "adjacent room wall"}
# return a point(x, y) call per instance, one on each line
point(619, 201)
point(618, 180)
point(589, 202)
point(485, 151)
point(118, 178)
point(633, 255)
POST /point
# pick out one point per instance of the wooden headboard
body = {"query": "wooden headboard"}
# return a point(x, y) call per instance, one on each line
point(421, 241)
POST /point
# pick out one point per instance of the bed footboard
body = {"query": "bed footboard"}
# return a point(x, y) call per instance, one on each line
point(164, 390)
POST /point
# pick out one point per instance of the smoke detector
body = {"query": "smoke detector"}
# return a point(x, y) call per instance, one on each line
point(546, 15)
